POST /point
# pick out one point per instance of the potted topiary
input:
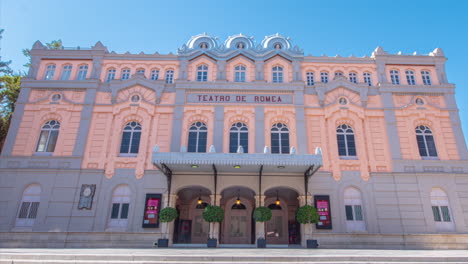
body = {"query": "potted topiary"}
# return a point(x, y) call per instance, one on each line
point(261, 214)
point(306, 215)
point(167, 215)
point(213, 214)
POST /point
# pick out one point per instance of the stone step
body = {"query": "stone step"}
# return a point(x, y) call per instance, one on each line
point(43, 261)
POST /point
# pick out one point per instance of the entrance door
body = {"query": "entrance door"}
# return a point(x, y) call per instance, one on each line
point(238, 223)
point(200, 228)
point(277, 227)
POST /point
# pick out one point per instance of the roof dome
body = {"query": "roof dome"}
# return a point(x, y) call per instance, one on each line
point(202, 41)
point(276, 41)
point(239, 41)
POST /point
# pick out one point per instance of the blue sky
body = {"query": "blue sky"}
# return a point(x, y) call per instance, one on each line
point(319, 27)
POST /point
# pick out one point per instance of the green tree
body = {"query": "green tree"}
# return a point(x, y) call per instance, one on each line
point(54, 44)
point(9, 91)
point(4, 65)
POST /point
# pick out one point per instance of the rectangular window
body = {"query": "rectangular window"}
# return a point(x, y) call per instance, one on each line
point(115, 211)
point(445, 213)
point(310, 78)
point(135, 142)
point(367, 79)
point(24, 210)
point(341, 145)
point(124, 212)
point(349, 212)
point(358, 212)
point(33, 210)
point(351, 145)
point(436, 213)
point(275, 145)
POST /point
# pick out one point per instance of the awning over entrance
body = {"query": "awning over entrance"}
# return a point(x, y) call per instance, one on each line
point(188, 162)
point(236, 162)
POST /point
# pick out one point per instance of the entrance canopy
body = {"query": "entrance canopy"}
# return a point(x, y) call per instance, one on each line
point(236, 162)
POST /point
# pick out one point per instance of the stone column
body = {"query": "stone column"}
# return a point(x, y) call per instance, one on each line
point(306, 229)
point(214, 227)
point(168, 228)
point(259, 226)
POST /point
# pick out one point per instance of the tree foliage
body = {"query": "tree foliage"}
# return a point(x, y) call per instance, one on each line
point(54, 44)
point(4, 65)
point(307, 214)
point(9, 91)
point(168, 214)
point(262, 214)
point(213, 213)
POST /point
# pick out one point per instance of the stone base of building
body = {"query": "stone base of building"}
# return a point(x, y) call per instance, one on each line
point(147, 240)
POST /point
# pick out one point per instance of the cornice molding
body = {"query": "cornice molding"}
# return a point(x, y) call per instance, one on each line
point(233, 86)
point(54, 84)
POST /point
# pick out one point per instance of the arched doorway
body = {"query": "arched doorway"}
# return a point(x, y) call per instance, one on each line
point(190, 227)
point(238, 204)
point(283, 227)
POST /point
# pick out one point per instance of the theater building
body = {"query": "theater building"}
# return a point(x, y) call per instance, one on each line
point(100, 142)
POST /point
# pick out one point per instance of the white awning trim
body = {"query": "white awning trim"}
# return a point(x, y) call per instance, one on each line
point(189, 158)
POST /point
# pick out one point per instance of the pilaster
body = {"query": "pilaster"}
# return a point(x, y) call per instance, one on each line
point(177, 121)
point(97, 67)
point(218, 128)
point(16, 121)
point(391, 126)
point(301, 133)
point(259, 74)
point(85, 122)
point(456, 126)
point(259, 129)
point(221, 73)
point(381, 75)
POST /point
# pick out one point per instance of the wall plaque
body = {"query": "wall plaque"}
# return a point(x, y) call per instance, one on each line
point(86, 196)
point(209, 98)
point(152, 208)
point(322, 203)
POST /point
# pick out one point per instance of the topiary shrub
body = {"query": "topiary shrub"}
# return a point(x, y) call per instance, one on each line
point(168, 214)
point(307, 214)
point(213, 213)
point(262, 214)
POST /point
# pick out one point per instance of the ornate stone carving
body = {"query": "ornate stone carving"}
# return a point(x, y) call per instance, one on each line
point(86, 196)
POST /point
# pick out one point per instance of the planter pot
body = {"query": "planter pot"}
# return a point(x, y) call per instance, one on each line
point(261, 243)
point(311, 243)
point(212, 242)
point(163, 243)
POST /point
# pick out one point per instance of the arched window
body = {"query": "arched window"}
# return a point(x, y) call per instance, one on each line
point(202, 73)
point(169, 76)
point(155, 74)
point(110, 75)
point(426, 143)
point(50, 71)
point(238, 136)
point(345, 138)
point(239, 73)
point(338, 73)
point(277, 72)
point(29, 205)
point(82, 72)
point(367, 78)
point(395, 77)
point(198, 134)
point(410, 77)
point(324, 77)
point(310, 78)
point(66, 72)
point(280, 138)
point(353, 210)
point(141, 71)
point(120, 207)
point(353, 77)
point(125, 74)
point(131, 138)
point(48, 136)
point(441, 210)
point(426, 77)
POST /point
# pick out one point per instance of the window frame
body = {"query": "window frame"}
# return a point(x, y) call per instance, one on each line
point(154, 74)
point(237, 131)
point(134, 129)
point(353, 77)
point(426, 77)
point(240, 73)
point(202, 73)
point(349, 140)
point(125, 74)
point(82, 72)
point(426, 142)
point(200, 130)
point(49, 130)
point(410, 78)
point(367, 78)
point(169, 76)
point(280, 148)
point(50, 72)
point(324, 77)
point(310, 78)
point(395, 77)
point(277, 75)
point(66, 72)
point(111, 74)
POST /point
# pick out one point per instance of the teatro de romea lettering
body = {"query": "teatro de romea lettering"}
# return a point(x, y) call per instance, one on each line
point(100, 142)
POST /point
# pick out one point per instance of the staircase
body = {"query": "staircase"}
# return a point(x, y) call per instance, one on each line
point(231, 255)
